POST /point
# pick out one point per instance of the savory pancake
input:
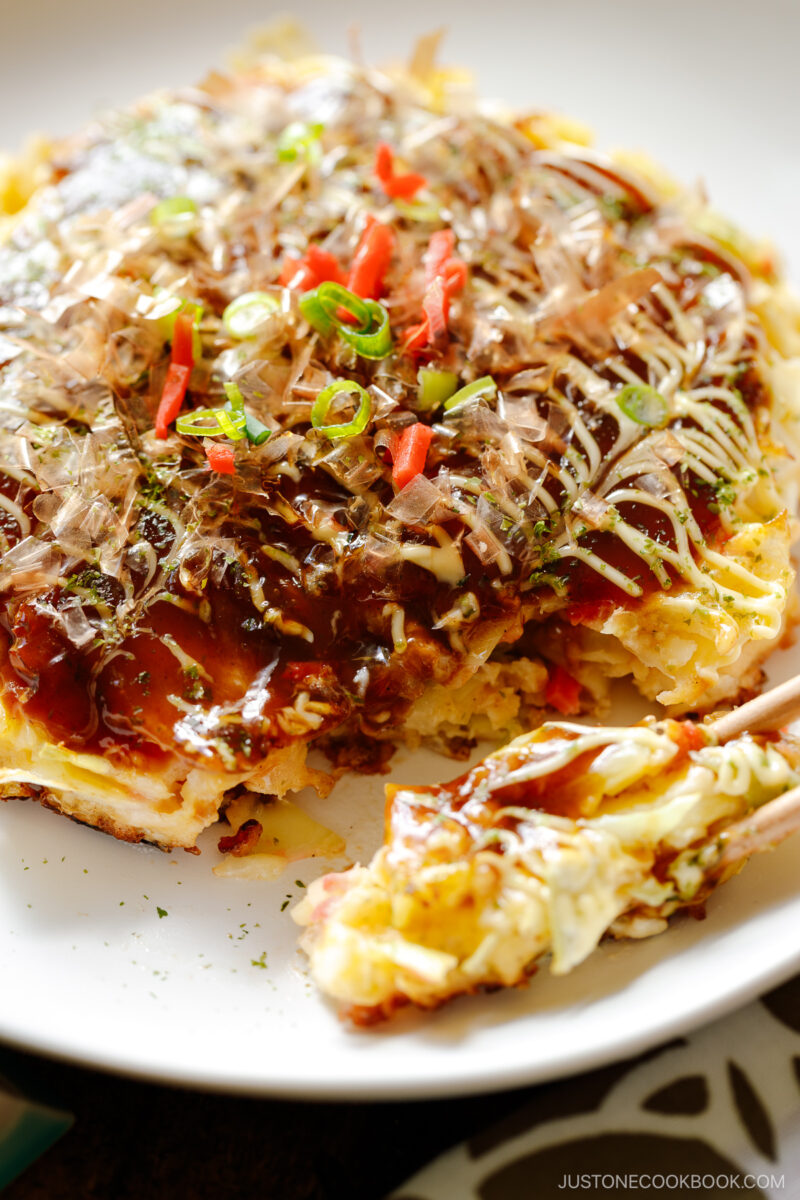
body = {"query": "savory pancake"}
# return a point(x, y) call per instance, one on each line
point(335, 410)
point(561, 836)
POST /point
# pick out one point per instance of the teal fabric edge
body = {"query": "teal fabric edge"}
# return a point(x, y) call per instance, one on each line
point(35, 1132)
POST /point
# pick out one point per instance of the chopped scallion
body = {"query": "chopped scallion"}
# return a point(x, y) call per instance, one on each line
point(643, 404)
point(333, 296)
point(314, 313)
point(212, 422)
point(235, 397)
point(300, 140)
point(229, 424)
point(435, 387)
point(257, 432)
point(485, 386)
point(371, 337)
point(322, 404)
point(175, 216)
point(245, 315)
point(376, 340)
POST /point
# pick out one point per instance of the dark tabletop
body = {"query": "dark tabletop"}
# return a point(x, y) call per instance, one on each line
point(139, 1141)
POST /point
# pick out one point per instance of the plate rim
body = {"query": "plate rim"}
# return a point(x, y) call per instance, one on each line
point(474, 1081)
point(430, 1082)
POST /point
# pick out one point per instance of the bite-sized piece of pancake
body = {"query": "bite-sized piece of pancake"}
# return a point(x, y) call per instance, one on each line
point(565, 834)
point(559, 445)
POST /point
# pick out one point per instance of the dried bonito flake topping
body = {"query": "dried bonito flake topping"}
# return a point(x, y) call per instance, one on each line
point(322, 389)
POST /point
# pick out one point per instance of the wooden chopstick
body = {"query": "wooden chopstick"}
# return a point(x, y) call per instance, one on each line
point(765, 827)
point(761, 829)
point(770, 711)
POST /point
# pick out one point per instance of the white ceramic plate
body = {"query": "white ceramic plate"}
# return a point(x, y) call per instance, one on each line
point(214, 992)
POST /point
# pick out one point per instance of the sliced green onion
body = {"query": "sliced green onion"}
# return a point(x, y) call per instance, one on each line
point(247, 313)
point(173, 206)
point(314, 313)
point(175, 216)
point(235, 397)
point(485, 386)
point(434, 388)
point(332, 297)
point(196, 424)
point(256, 431)
point(643, 404)
point(321, 405)
point(419, 210)
point(371, 338)
point(300, 140)
point(231, 423)
point(374, 342)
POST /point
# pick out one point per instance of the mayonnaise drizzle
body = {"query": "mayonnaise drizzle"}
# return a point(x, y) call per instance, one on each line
point(719, 443)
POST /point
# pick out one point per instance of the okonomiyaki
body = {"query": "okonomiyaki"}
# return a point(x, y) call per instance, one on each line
point(564, 835)
point(337, 409)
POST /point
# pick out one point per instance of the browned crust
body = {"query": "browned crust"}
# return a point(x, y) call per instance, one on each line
point(104, 824)
point(358, 752)
point(17, 791)
point(364, 1016)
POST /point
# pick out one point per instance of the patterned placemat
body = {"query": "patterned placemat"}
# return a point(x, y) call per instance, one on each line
point(715, 1113)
